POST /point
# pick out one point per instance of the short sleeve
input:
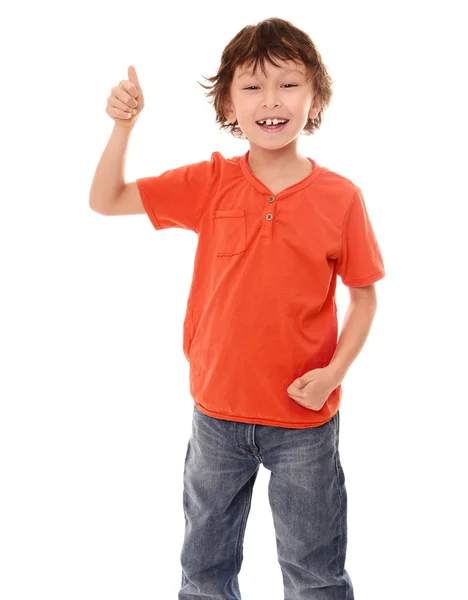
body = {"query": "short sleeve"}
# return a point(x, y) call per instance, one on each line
point(177, 198)
point(360, 262)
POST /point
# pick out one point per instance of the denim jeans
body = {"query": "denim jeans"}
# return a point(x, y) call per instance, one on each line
point(307, 496)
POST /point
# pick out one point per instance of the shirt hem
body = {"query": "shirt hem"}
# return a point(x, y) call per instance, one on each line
point(260, 421)
point(366, 280)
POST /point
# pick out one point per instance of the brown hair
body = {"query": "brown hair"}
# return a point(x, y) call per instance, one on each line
point(265, 41)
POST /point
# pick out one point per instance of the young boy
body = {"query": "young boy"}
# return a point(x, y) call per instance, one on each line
point(274, 230)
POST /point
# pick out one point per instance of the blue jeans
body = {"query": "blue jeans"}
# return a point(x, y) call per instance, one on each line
point(307, 495)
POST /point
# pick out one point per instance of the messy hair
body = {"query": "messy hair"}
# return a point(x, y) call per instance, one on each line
point(268, 40)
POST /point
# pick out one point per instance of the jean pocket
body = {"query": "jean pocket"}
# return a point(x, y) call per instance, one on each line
point(229, 231)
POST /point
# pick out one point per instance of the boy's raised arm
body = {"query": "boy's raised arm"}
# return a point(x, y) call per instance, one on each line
point(124, 106)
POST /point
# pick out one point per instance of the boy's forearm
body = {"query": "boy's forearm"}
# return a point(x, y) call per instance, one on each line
point(356, 326)
point(109, 178)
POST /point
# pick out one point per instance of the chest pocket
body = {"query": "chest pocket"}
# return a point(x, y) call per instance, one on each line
point(229, 231)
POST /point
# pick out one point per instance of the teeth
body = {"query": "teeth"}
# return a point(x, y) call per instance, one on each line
point(272, 122)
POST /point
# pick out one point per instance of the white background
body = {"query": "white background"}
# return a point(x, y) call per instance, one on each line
point(95, 403)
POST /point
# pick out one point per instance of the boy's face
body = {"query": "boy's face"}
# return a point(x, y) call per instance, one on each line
point(284, 92)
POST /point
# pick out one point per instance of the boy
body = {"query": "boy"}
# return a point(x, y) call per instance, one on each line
point(260, 333)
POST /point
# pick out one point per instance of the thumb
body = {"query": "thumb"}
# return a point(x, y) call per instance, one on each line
point(133, 77)
point(299, 382)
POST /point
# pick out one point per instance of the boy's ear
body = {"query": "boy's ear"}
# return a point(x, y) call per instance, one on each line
point(315, 108)
point(229, 112)
point(229, 109)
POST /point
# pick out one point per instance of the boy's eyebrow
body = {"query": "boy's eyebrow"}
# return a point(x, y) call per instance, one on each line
point(249, 73)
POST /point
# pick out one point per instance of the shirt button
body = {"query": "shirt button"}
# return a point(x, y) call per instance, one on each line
point(269, 217)
point(271, 199)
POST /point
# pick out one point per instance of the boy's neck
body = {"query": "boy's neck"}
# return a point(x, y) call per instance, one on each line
point(276, 161)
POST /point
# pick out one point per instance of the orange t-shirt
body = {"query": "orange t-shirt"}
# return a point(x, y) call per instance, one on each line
point(261, 309)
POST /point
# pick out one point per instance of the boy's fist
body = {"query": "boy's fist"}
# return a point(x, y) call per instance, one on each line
point(126, 101)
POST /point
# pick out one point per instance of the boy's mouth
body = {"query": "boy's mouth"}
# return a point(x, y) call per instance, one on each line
point(272, 128)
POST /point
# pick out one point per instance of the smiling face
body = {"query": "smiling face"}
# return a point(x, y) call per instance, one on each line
point(284, 91)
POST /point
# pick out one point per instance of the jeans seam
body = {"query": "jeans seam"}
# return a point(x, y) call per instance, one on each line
point(241, 533)
point(337, 470)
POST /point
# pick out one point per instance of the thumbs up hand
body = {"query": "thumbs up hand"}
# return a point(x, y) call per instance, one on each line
point(126, 100)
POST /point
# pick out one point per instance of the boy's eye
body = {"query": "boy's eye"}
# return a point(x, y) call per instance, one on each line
point(253, 86)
